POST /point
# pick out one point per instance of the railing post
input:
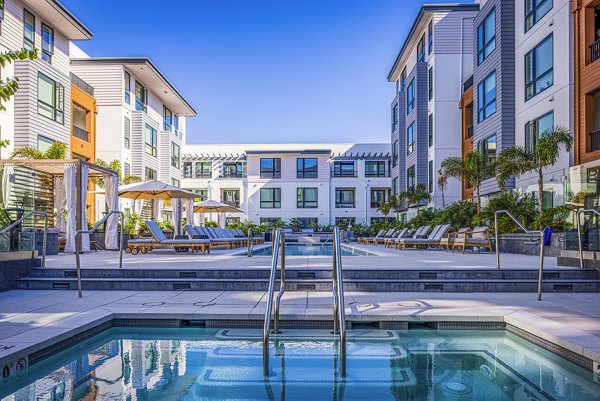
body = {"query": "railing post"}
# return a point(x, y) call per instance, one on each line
point(78, 262)
point(541, 272)
point(249, 242)
point(579, 239)
point(497, 239)
point(44, 240)
point(122, 217)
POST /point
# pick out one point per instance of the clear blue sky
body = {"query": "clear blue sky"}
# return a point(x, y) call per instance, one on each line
point(264, 71)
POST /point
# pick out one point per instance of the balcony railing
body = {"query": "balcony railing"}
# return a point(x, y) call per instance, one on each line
point(594, 143)
point(81, 84)
point(381, 174)
point(232, 175)
point(346, 205)
point(595, 51)
point(344, 174)
point(470, 132)
point(81, 133)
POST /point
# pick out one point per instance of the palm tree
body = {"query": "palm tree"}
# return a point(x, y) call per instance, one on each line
point(417, 194)
point(519, 161)
point(116, 166)
point(474, 168)
point(397, 203)
point(57, 150)
point(384, 208)
point(442, 183)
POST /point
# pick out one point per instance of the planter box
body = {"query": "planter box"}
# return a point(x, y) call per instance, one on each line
point(529, 245)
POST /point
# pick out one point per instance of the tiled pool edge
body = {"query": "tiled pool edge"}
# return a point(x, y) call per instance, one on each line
point(584, 356)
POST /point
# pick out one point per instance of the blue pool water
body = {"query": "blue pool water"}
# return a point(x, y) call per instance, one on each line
point(217, 364)
point(311, 250)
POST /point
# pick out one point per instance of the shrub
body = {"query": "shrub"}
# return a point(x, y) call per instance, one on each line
point(211, 224)
point(521, 206)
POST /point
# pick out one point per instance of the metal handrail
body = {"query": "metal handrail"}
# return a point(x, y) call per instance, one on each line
point(91, 230)
point(45, 236)
point(579, 241)
point(278, 241)
point(522, 227)
point(250, 243)
point(330, 238)
point(339, 313)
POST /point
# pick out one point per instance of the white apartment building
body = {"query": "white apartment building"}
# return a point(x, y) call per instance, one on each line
point(40, 113)
point(321, 184)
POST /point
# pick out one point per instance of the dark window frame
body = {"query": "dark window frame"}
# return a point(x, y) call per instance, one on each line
point(188, 169)
point(410, 96)
point(127, 133)
point(376, 201)
point(483, 147)
point(532, 130)
point(275, 202)
point(395, 154)
point(533, 79)
point(421, 49)
point(47, 53)
point(151, 147)
point(301, 169)
point(236, 197)
point(482, 90)
point(272, 172)
point(127, 83)
point(150, 174)
point(239, 170)
point(395, 111)
point(28, 43)
point(430, 176)
point(430, 130)
point(380, 172)
point(410, 139)
point(430, 36)
point(302, 203)
point(175, 155)
point(340, 172)
point(430, 82)
point(141, 102)
point(483, 43)
point(58, 97)
point(205, 170)
point(531, 17)
point(411, 177)
point(340, 203)
point(167, 119)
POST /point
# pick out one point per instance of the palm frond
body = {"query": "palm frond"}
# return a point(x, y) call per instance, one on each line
point(26, 152)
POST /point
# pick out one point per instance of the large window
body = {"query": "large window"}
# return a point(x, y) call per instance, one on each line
point(535, 11)
point(421, 50)
point(486, 97)
point(127, 133)
point(395, 154)
point(534, 128)
point(203, 170)
point(309, 222)
point(270, 221)
point(126, 170)
point(394, 117)
point(410, 177)
point(403, 79)
point(127, 87)
point(270, 198)
point(51, 98)
point(307, 168)
point(430, 82)
point(344, 169)
point(233, 170)
point(410, 96)
point(345, 221)
point(377, 197)
point(430, 37)
point(28, 30)
point(167, 119)
point(150, 140)
point(395, 185)
point(486, 37)
point(44, 143)
point(47, 43)
point(410, 139)
point(231, 197)
point(270, 168)
point(175, 182)
point(430, 130)
point(344, 198)
point(150, 174)
point(430, 176)
point(141, 97)
point(375, 169)
point(307, 198)
point(187, 169)
point(176, 124)
point(175, 155)
point(539, 68)
point(488, 148)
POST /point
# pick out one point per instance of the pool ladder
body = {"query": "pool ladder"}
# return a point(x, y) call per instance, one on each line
point(339, 314)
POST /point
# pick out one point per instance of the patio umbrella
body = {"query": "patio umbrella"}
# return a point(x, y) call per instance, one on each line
point(154, 190)
point(211, 206)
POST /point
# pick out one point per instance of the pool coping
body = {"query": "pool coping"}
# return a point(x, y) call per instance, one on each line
point(255, 248)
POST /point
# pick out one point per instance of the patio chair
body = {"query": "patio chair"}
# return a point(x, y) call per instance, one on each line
point(160, 240)
point(378, 237)
point(478, 238)
point(257, 239)
point(381, 240)
point(448, 239)
point(215, 239)
point(362, 240)
point(433, 239)
point(419, 233)
point(390, 241)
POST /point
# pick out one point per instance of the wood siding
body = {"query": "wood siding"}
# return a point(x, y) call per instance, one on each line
point(466, 106)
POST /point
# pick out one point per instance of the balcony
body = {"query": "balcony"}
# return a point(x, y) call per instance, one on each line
point(595, 51)
point(594, 141)
point(469, 132)
point(81, 133)
point(344, 174)
point(226, 174)
point(81, 84)
point(376, 174)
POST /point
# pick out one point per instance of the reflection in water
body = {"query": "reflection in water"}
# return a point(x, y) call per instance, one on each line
point(198, 365)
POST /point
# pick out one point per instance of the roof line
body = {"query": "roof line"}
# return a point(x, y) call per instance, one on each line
point(70, 15)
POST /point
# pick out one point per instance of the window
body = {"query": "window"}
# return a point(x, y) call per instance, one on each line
point(203, 170)
point(307, 168)
point(150, 140)
point(410, 139)
point(234, 170)
point(345, 221)
point(51, 98)
point(150, 174)
point(395, 117)
point(343, 169)
point(270, 198)
point(430, 37)
point(410, 177)
point(28, 30)
point(270, 168)
point(187, 170)
point(126, 170)
point(269, 221)
point(377, 220)
point(47, 43)
point(141, 97)
point(127, 87)
point(377, 197)
point(2, 11)
point(421, 50)
point(410, 96)
point(395, 154)
point(430, 130)
point(430, 176)
point(44, 143)
point(486, 37)
point(203, 194)
point(307, 198)
point(535, 128)
point(539, 68)
point(488, 149)
point(486, 97)
point(176, 124)
point(231, 197)
point(232, 221)
point(344, 198)
point(375, 169)
point(175, 155)
point(167, 119)
point(309, 222)
point(175, 182)
point(403, 79)
point(430, 82)
point(395, 185)
point(535, 11)
point(127, 133)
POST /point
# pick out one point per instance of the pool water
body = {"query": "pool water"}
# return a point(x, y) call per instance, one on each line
point(311, 250)
point(216, 364)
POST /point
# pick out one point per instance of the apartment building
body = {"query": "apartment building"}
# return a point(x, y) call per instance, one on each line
point(429, 71)
point(318, 183)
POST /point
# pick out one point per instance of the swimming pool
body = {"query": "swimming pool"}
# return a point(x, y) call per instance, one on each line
point(217, 364)
point(311, 250)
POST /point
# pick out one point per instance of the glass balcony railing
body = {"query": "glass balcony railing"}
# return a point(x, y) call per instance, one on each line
point(81, 133)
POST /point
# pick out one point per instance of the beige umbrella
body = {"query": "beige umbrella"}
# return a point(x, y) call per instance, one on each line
point(154, 190)
point(212, 206)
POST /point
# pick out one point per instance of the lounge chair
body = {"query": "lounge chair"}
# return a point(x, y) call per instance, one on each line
point(390, 241)
point(419, 233)
point(448, 239)
point(378, 237)
point(433, 239)
point(160, 240)
point(215, 239)
point(363, 240)
point(479, 237)
point(381, 240)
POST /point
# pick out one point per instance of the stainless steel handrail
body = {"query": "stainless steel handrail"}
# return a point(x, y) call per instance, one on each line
point(339, 313)
point(579, 241)
point(45, 236)
point(522, 227)
point(278, 242)
point(250, 243)
point(330, 238)
point(91, 230)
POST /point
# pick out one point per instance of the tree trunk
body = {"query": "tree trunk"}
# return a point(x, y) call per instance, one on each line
point(443, 201)
point(541, 190)
point(478, 200)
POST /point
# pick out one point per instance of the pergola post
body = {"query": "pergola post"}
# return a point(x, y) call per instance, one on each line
point(78, 204)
